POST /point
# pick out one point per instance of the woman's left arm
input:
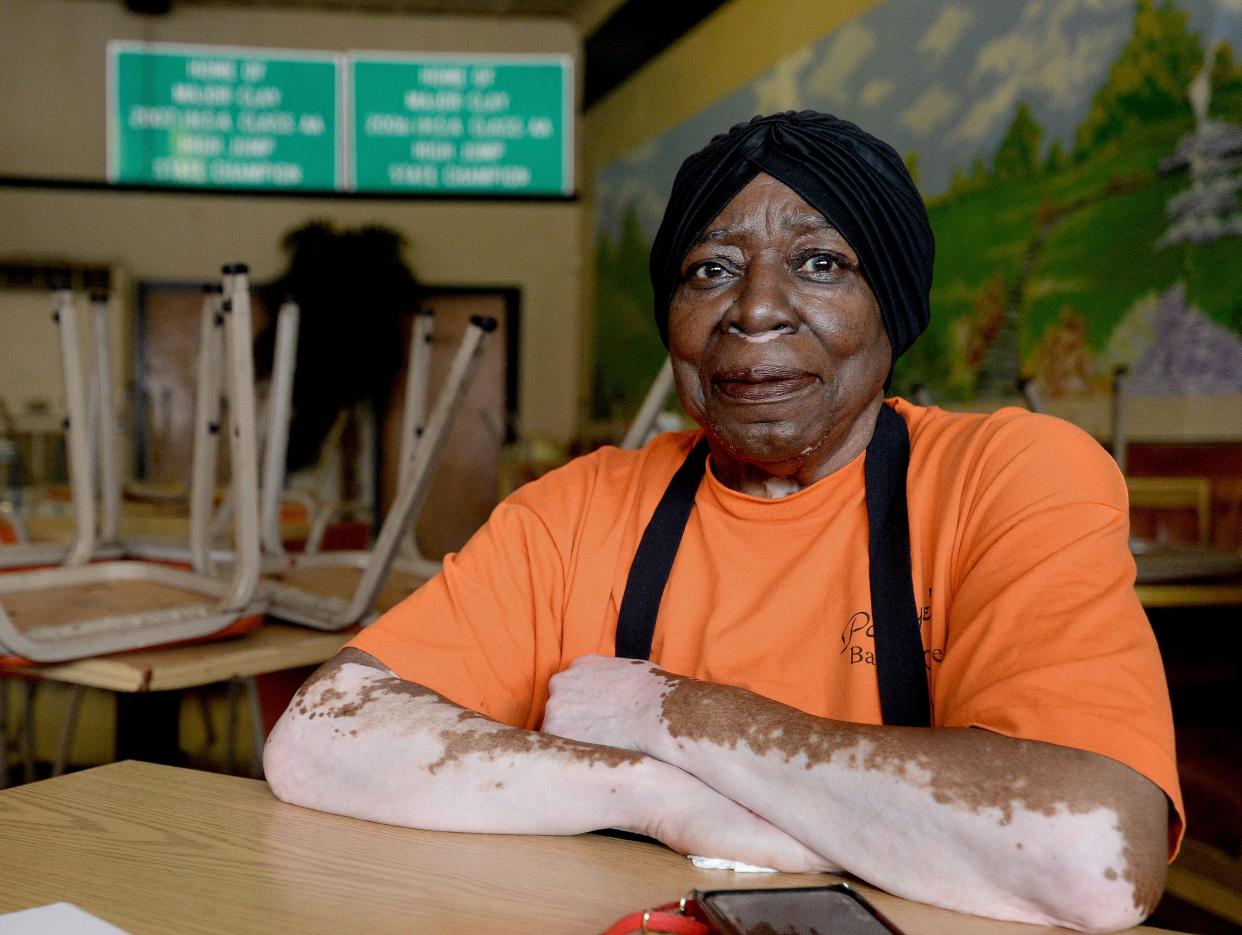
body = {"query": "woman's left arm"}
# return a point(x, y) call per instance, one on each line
point(961, 818)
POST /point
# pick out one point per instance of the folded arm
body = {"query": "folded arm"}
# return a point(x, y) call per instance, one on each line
point(961, 818)
point(356, 740)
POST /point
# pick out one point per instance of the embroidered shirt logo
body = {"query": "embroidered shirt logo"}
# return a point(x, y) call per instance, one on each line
point(858, 637)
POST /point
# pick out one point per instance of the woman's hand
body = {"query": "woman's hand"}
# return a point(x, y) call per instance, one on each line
point(608, 701)
point(617, 703)
point(693, 818)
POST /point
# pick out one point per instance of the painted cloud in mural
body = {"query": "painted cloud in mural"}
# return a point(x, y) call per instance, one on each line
point(847, 49)
point(1047, 57)
point(983, 56)
point(942, 36)
point(930, 110)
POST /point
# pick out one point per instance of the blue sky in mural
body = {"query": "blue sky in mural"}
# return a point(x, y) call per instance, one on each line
point(938, 78)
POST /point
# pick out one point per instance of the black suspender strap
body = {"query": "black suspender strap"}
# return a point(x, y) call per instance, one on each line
point(653, 561)
point(900, 667)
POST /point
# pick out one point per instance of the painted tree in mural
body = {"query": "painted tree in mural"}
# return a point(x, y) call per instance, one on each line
point(1069, 238)
point(1167, 338)
point(624, 326)
point(1148, 81)
point(1057, 158)
point(1017, 157)
point(1212, 154)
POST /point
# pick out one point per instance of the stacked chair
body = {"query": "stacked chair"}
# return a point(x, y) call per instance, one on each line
point(93, 603)
point(337, 589)
point(91, 446)
point(86, 608)
point(83, 610)
point(207, 522)
point(414, 425)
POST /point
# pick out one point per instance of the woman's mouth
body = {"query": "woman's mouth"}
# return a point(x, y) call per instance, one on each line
point(754, 386)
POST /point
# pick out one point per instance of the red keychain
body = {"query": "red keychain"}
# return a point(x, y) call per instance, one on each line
point(677, 918)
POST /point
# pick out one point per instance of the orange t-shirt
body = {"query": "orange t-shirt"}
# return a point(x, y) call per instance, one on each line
point(1022, 576)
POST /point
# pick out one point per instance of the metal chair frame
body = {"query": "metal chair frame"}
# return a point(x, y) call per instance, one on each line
point(96, 439)
point(196, 552)
point(296, 605)
point(414, 424)
point(653, 404)
point(221, 603)
point(207, 520)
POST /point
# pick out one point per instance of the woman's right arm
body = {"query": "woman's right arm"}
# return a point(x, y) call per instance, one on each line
point(358, 741)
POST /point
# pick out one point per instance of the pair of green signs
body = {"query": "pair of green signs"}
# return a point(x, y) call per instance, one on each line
point(237, 118)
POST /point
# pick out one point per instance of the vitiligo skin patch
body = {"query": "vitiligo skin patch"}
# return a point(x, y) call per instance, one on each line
point(474, 734)
point(1041, 778)
point(987, 777)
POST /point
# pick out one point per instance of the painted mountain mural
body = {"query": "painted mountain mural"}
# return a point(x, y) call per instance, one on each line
point(1082, 164)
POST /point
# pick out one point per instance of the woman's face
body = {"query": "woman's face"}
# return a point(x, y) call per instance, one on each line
point(777, 343)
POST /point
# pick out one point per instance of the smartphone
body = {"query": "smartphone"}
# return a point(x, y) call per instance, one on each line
point(803, 910)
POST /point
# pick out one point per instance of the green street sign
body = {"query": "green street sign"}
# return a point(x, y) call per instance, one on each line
point(220, 117)
point(454, 125)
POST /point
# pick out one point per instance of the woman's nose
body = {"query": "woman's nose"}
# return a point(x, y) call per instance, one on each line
point(762, 308)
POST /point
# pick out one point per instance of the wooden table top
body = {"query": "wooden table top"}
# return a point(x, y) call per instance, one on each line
point(271, 648)
point(157, 849)
point(1177, 575)
point(1224, 593)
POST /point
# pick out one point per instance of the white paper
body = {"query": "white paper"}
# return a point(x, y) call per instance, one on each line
point(56, 919)
point(720, 863)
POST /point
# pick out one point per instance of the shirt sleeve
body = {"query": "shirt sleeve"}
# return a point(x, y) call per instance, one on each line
point(486, 630)
point(1046, 637)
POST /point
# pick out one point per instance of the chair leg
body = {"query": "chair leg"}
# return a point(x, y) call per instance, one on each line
point(204, 706)
point(68, 729)
point(4, 733)
point(28, 731)
point(230, 745)
point(257, 737)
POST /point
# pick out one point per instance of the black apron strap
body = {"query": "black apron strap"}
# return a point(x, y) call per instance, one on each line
point(653, 562)
point(900, 668)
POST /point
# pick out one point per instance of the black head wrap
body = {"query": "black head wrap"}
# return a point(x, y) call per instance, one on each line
point(857, 182)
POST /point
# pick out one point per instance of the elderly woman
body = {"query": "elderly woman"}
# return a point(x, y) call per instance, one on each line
point(885, 639)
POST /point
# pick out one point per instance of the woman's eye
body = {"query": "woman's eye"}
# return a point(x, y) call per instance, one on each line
point(823, 263)
point(708, 269)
